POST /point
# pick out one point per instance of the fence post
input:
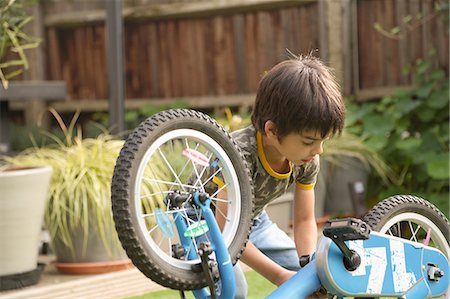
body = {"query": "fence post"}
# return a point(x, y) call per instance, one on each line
point(335, 47)
point(114, 50)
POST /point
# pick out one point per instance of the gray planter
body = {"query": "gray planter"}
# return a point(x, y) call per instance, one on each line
point(333, 191)
point(94, 250)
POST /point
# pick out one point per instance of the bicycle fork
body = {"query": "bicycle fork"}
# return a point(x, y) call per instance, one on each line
point(218, 246)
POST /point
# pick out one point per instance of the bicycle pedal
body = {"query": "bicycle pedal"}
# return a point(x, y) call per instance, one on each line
point(346, 229)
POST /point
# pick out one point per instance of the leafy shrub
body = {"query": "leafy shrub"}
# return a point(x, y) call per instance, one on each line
point(411, 130)
point(13, 40)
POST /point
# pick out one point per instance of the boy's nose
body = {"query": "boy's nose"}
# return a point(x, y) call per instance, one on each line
point(318, 150)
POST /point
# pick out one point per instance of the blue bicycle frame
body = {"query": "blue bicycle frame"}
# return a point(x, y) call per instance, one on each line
point(227, 278)
point(390, 267)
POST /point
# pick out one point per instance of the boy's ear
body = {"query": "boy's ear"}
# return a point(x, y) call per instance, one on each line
point(270, 129)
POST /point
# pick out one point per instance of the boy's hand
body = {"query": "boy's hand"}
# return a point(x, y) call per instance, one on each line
point(283, 276)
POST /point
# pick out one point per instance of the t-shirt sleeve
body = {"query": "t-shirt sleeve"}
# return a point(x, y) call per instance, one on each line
point(307, 176)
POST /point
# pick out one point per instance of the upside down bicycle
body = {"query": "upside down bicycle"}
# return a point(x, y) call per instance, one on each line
point(166, 219)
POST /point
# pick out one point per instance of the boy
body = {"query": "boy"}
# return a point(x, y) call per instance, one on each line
point(298, 105)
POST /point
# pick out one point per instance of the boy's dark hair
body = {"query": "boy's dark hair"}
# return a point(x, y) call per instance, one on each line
point(297, 95)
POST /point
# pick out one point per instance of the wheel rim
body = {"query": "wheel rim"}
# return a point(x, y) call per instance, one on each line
point(165, 158)
point(415, 227)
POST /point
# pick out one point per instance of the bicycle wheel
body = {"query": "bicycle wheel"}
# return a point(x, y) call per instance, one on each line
point(411, 218)
point(163, 162)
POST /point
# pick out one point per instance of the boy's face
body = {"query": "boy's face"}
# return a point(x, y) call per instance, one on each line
point(301, 148)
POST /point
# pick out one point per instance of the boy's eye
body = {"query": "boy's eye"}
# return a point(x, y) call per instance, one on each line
point(308, 142)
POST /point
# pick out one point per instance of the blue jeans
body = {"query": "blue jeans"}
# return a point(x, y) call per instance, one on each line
point(274, 243)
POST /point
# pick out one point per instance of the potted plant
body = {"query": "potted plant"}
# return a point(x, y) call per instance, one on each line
point(78, 214)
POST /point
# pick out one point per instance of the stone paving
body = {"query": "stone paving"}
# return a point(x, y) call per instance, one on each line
point(55, 285)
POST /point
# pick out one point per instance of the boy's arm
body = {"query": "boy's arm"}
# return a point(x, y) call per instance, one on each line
point(259, 262)
point(253, 257)
point(305, 227)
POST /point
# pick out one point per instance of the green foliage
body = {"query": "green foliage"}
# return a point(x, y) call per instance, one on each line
point(258, 287)
point(411, 130)
point(13, 40)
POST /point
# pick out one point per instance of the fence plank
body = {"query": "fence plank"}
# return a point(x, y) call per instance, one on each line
point(53, 51)
point(391, 70)
point(403, 54)
point(250, 51)
point(239, 53)
point(153, 56)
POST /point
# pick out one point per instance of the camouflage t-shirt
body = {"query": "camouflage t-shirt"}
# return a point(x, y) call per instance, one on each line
point(268, 184)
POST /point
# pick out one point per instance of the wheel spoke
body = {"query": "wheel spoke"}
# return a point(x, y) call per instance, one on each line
point(213, 175)
point(199, 177)
point(417, 230)
point(390, 232)
point(220, 199)
point(413, 235)
point(192, 239)
point(153, 228)
point(168, 183)
point(167, 212)
point(184, 166)
point(153, 194)
point(171, 169)
point(220, 211)
point(218, 190)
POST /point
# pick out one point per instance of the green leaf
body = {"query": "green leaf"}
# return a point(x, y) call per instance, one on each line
point(395, 30)
point(438, 100)
point(439, 168)
point(406, 105)
point(377, 142)
point(426, 114)
point(408, 144)
point(378, 125)
point(378, 27)
point(13, 74)
point(424, 91)
point(131, 115)
point(438, 74)
point(407, 19)
point(422, 67)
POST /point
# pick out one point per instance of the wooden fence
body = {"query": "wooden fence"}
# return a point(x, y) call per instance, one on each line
point(217, 50)
point(382, 56)
point(183, 57)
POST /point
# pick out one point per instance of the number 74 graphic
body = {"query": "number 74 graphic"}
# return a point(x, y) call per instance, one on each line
point(377, 258)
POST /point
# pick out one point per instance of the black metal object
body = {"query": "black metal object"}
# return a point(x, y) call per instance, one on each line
point(114, 49)
point(209, 266)
point(341, 230)
point(20, 280)
point(23, 91)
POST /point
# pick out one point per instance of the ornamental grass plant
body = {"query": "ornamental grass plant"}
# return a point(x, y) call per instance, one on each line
point(79, 197)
